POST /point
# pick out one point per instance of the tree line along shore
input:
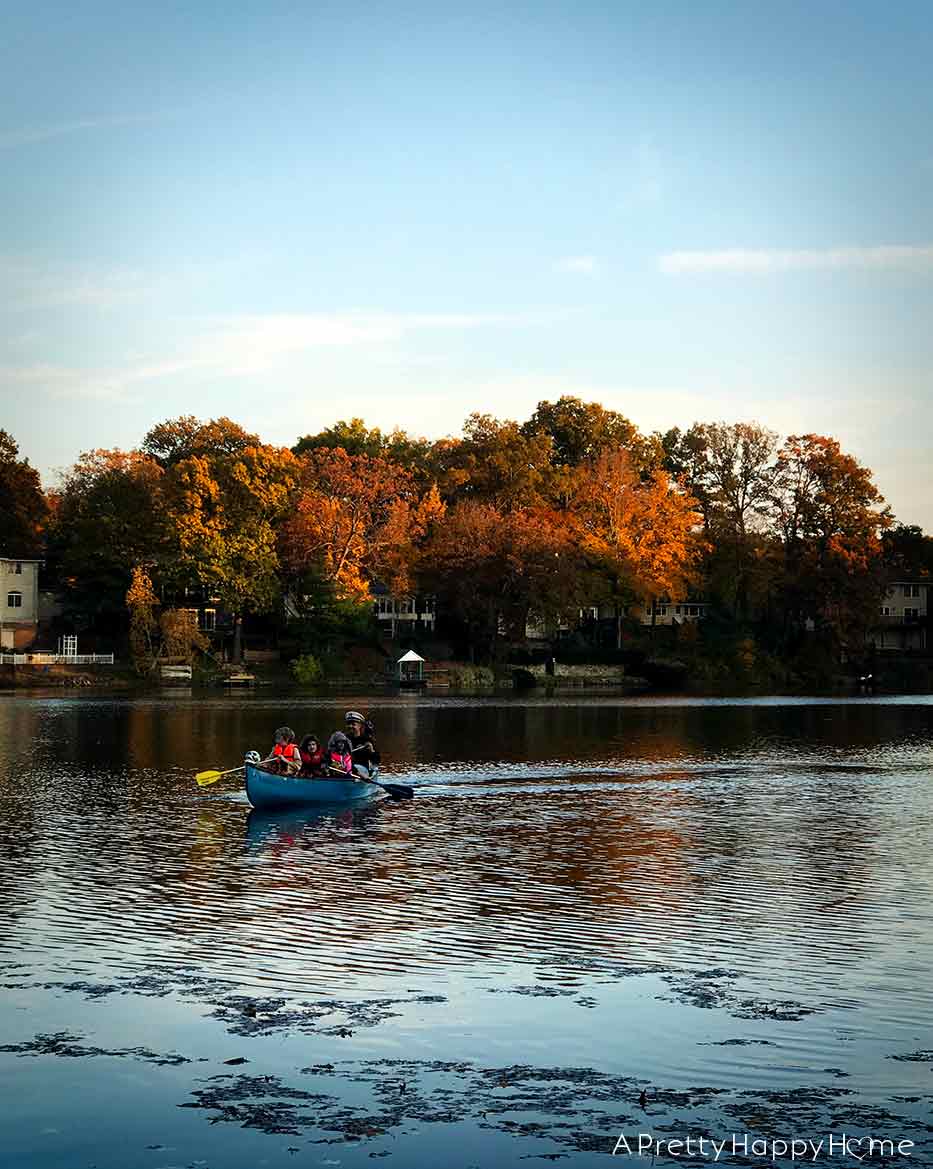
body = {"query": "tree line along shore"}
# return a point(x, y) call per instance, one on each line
point(553, 535)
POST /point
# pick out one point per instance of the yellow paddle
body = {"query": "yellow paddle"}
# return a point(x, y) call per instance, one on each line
point(206, 777)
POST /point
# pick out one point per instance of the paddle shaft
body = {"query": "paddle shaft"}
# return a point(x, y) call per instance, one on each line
point(399, 791)
point(205, 777)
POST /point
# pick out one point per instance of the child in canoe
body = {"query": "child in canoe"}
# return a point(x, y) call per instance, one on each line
point(285, 757)
point(339, 758)
point(312, 756)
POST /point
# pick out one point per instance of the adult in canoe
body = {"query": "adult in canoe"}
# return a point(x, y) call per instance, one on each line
point(362, 738)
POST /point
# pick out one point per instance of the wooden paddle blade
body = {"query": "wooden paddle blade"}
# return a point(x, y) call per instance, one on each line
point(206, 777)
point(399, 791)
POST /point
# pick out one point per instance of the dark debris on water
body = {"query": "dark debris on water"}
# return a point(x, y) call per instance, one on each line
point(68, 1046)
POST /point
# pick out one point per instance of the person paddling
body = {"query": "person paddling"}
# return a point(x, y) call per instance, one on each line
point(285, 754)
point(361, 734)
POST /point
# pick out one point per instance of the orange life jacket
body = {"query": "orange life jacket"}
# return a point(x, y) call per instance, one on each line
point(287, 751)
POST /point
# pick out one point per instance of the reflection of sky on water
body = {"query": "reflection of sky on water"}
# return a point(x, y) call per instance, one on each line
point(588, 847)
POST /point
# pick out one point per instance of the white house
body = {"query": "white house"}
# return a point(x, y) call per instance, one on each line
point(398, 615)
point(19, 602)
point(667, 613)
point(902, 621)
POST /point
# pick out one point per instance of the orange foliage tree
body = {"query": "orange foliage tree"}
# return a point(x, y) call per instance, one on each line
point(641, 531)
point(356, 518)
point(491, 568)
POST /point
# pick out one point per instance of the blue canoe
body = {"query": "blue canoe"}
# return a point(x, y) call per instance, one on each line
point(266, 790)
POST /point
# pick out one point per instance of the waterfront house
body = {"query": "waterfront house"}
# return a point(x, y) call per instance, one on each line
point(663, 612)
point(403, 616)
point(19, 602)
point(902, 621)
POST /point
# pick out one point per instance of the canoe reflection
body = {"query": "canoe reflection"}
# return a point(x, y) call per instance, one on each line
point(292, 826)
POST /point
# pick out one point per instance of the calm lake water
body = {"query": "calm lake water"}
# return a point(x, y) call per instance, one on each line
point(725, 903)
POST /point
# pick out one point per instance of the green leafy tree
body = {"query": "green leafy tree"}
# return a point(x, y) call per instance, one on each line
point(23, 508)
point(908, 551)
point(830, 515)
point(356, 438)
point(187, 437)
point(109, 521)
point(495, 462)
point(222, 512)
point(581, 431)
point(732, 469)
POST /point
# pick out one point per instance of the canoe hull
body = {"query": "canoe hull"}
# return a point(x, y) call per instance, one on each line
point(265, 790)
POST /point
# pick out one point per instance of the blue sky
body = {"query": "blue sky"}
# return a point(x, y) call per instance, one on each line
point(296, 213)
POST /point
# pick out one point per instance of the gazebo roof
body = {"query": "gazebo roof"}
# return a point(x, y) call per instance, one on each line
point(411, 656)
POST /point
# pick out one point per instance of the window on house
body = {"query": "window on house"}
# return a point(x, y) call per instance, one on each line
point(209, 620)
point(914, 591)
point(911, 612)
point(14, 600)
point(18, 569)
point(885, 610)
point(384, 607)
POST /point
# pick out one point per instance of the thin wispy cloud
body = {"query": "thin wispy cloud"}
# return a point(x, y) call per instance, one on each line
point(238, 347)
point(585, 265)
point(27, 135)
point(28, 285)
point(766, 261)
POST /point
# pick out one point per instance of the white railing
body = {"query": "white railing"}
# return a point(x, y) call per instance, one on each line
point(40, 659)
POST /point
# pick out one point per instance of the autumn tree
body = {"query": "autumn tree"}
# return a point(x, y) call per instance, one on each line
point(356, 519)
point(830, 516)
point(491, 568)
point(141, 603)
point(23, 508)
point(223, 511)
point(182, 640)
point(641, 532)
